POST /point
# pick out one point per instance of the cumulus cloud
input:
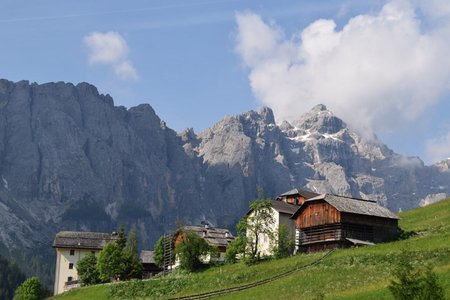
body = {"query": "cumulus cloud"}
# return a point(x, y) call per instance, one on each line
point(379, 71)
point(110, 48)
point(438, 148)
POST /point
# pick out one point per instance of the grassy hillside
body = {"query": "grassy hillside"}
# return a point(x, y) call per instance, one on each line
point(358, 273)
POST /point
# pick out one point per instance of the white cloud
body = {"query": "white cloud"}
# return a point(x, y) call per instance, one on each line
point(378, 72)
point(125, 70)
point(438, 148)
point(110, 48)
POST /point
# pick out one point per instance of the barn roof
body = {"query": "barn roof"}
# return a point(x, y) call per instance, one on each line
point(83, 239)
point(306, 194)
point(283, 207)
point(219, 237)
point(147, 257)
point(353, 206)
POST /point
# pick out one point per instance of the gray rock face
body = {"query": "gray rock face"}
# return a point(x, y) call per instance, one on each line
point(72, 160)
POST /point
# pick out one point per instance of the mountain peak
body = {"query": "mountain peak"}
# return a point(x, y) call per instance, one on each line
point(319, 108)
point(320, 119)
point(267, 115)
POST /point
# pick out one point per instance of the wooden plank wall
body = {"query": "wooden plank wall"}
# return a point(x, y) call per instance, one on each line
point(317, 213)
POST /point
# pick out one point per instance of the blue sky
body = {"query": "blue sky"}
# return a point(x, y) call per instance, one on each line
point(380, 65)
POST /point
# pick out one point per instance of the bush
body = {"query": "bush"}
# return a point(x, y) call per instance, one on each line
point(414, 283)
point(284, 244)
point(30, 289)
point(237, 246)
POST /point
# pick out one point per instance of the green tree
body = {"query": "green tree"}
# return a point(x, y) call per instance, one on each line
point(284, 242)
point(130, 256)
point(257, 223)
point(30, 289)
point(239, 244)
point(236, 247)
point(132, 241)
point(190, 249)
point(158, 250)
point(132, 267)
point(87, 270)
point(10, 278)
point(121, 238)
point(119, 259)
point(110, 263)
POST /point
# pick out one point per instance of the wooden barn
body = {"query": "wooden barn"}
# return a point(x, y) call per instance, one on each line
point(329, 221)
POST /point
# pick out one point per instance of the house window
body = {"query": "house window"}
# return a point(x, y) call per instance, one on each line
point(70, 266)
point(72, 252)
point(69, 279)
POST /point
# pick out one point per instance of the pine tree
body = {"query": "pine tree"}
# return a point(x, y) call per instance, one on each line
point(121, 239)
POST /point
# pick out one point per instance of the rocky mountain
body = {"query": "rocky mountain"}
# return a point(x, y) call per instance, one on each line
point(72, 160)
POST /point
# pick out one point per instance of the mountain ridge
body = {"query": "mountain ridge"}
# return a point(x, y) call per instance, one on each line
point(72, 160)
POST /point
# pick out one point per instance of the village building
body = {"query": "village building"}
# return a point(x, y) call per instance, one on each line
point(282, 208)
point(219, 238)
point(329, 222)
point(296, 196)
point(71, 247)
point(149, 266)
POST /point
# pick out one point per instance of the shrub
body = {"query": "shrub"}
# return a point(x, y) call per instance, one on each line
point(284, 244)
point(30, 289)
point(413, 283)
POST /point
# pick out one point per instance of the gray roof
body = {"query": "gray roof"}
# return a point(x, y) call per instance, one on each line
point(213, 236)
point(306, 194)
point(82, 239)
point(355, 206)
point(283, 207)
point(146, 257)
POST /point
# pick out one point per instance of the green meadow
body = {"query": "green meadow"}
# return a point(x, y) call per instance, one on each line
point(357, 273)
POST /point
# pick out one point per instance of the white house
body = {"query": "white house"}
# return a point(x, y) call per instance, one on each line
point(71, 247)
point(282, 209)
point(281, 213)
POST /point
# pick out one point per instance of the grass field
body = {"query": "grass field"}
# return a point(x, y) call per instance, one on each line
point(357, 273)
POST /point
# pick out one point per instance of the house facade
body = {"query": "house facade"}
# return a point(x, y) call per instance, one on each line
point(216, 237)
point(71, 247)
point(282, 208)
point(329, 222)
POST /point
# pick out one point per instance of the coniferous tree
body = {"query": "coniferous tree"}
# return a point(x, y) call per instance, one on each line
point(121, 238)
point(132, 263)
point(10, 278)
